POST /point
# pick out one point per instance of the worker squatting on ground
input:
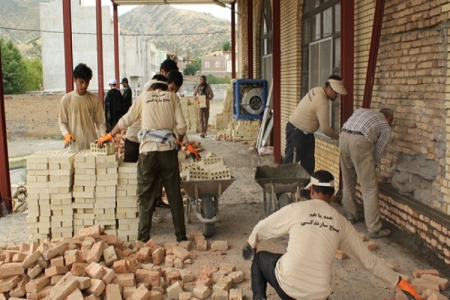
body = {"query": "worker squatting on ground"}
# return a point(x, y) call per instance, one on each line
point(316, 231)
point(81, 112)
point(362, 143)
point(160, 113)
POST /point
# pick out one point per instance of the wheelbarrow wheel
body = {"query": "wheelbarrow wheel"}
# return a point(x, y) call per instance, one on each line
point(208, 212)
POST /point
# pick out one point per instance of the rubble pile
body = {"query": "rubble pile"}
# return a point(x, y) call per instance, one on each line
point(94, 265)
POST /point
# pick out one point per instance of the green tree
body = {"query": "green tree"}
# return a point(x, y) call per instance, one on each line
point(14, 69)
point(34, 74)
point(226, 46)
point(193, 67)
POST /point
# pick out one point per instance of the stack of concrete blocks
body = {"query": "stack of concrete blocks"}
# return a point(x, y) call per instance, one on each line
point(224, 117)
point(107, 178)
point(209, 168)
point(61, 171)
point(245, 130)
point(83, 190)
point(127, 207)
point(49, 187)
point(190, 112)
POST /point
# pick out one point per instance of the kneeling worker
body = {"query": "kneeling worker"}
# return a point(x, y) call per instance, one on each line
point(316, 231)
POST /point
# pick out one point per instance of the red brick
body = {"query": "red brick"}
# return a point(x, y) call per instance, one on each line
point(57, 261)
point(418, 272)
point(64, 287)
point(113, 292)
point(144, 254)
point(95, 270)
point(121, 267)
point(97, 287)
point(56, 270)
point(96, 252)
point(125, 279)
point(158, 256)
point(11, 269)
point(37, 284)
point(9, 283)
point(75, 295)
point(141, 293)
point(148, 276)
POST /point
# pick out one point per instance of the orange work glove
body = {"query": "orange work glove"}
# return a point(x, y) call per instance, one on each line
point(192, 152)
point(107, 138)
point(68, 140)
point(409, 291)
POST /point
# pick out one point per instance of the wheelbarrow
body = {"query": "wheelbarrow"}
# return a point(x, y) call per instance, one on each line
point(280, 180)
point(203, 198)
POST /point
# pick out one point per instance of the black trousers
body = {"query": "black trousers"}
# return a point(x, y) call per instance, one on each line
point(152, 168)
point(130, 151)
point(263, 272)
point(304, 145)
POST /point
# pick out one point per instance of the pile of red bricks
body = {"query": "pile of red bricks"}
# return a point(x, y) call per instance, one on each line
point(427, 284)
point(93, 265)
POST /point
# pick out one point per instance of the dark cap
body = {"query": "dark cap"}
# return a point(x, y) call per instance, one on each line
point(124, 80)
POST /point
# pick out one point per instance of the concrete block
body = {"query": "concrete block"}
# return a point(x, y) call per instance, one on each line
point(201, 291)
point(235, 294)
point(219, 246)
point(220, 295)
point(174, 290)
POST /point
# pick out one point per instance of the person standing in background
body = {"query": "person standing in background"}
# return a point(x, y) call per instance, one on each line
point(113, 105)
point(204, 89)
point(81, 113)
point(127, 95)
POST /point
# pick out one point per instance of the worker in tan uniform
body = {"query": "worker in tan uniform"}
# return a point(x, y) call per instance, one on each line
point(81, 113)
point(161, 115)
point(316, 231)
point(311, 114)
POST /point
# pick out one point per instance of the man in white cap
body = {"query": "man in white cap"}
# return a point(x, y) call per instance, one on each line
point(114, 109)
point(310, 115)
point(316, 231)
point(362, 143)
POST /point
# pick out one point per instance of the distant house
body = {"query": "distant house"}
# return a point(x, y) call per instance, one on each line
point(217, 63)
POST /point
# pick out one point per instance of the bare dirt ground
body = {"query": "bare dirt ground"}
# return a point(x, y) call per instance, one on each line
point(240, 209)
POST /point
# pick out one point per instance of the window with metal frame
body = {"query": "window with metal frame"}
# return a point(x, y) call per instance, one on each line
point(321, 35)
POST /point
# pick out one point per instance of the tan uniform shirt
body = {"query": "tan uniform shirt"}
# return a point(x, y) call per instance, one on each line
point(81, 116)
point(157, 110)
point(311, 113)
point(316, 230)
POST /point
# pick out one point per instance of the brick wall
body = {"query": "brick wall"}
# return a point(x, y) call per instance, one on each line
point(32, 115)
point(412, 78)
point(327, 157)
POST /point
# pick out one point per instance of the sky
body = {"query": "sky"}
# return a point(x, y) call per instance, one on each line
point(215, 10)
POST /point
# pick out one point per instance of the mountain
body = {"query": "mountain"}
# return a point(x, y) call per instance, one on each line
point(171, 29)
point(177, 30)
point(24, 15)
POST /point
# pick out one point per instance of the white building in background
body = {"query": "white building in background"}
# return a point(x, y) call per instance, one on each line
point(139, 59)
